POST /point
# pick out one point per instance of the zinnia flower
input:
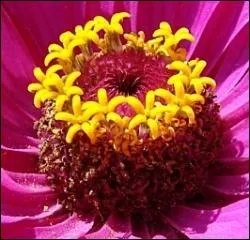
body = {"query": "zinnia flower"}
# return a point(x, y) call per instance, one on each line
point(141, 120)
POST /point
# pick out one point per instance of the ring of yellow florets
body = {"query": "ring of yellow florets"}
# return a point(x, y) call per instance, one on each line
point(87, 116)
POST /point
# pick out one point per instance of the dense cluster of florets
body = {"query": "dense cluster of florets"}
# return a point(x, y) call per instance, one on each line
point(157, 176)
point(131, 127)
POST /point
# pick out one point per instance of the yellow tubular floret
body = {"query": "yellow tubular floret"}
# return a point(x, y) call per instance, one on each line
point(38, 73)
point(53, 69)
point(150, 99)
point(89, 104)
point(89, 129)
point(60, 100)
point(76, 105)
point(179, 89)
point(136, 104)
point(190, 113)
point(98, 117)
point(74, 90)
point(115, 117)
point(115, 101)
point(33, 87)
point(76, 43)
point(89, 25)
point(165, 94)
point(63, 55)
point(136, 121)
point(184, 36)
point(199, 83)
point(117, 17)
point(66, 37)
point(181, 66)
point(199, 67)
point(172, 108)
point(53, 82)
point(171, 41)
point(102, 96)
point(38, 97)
point(178, 78)
point(132, 37)
point(65, 116)
point(71, 78)
point(55, 47)
point(87, 114)
point(154, 128)
point(193, 98)
point(154, 43)
point(48, 95)
point(72, 132)
point(166, 26)
point(208, 81)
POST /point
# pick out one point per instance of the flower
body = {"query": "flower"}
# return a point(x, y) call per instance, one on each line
point(29, 206)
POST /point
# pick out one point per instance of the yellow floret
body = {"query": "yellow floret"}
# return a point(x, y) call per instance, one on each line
point(114, 26)
point(171, 41)
point(52, 86)
point(191, 71)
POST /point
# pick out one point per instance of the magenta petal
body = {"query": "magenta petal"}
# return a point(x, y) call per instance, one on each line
point(228, 222)
point(230, 185)
point(238, 94)
point(57, 17)
point(159, 237)
point(19, 160)
point(173, 12)
point(204, 13)
point(27, 196)
point(11, 139)
point(233, 65)
point(115, 227)
point(15, 111)
point(236, 143)
point(224, 24)
point(31, 219)
point(71, 228)
point(17, 72)
point(25, 183)
point(28, 150)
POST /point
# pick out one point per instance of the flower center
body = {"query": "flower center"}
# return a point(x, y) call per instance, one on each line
point(130, 127)
point(130, 72)
point(127, 84)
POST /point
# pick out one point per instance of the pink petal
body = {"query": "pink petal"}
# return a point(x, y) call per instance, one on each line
point(230, 185)
point(12, 139)
point(228, 222)
point(30, 19)
point(233, 65)
point(237, 95)
point(204, 13)
point(13, 112)
point(115, 227)
point(17, 72)
point(236, 143)
point(226, 21)
point(173, 12)
point(36, 219)
point(18, 161)
point(71, 228)
point(26, 197)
